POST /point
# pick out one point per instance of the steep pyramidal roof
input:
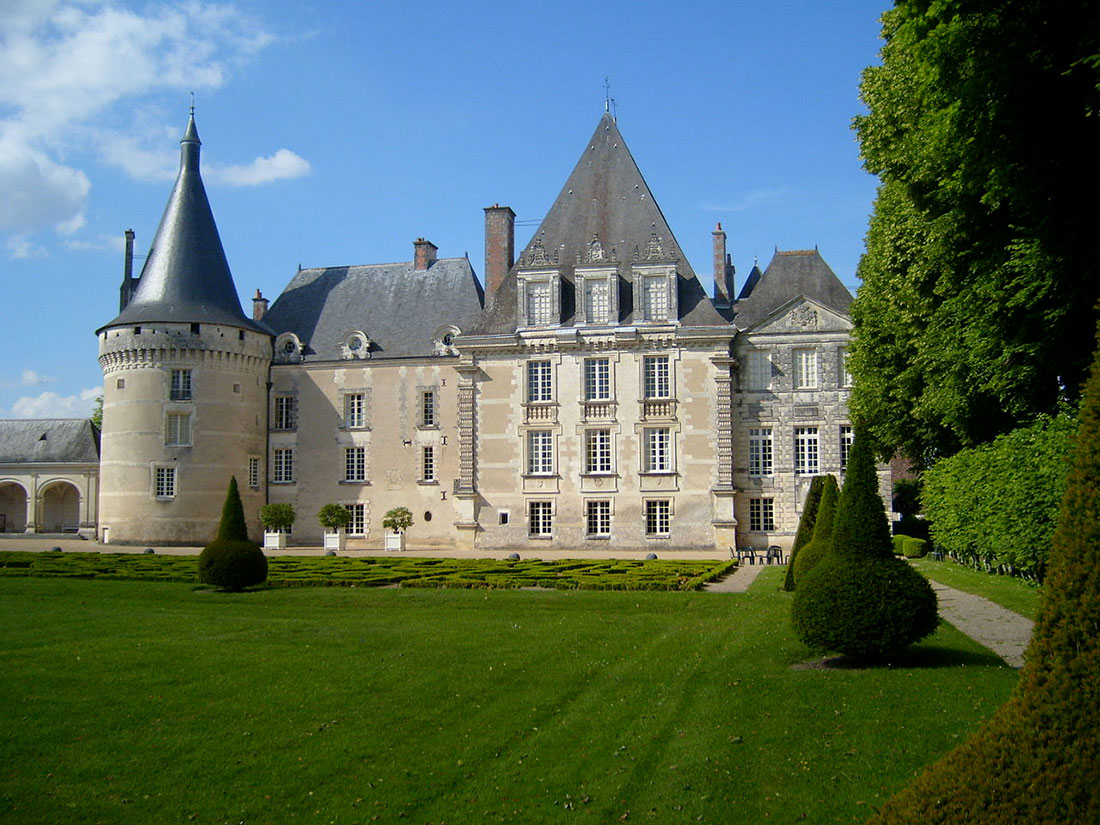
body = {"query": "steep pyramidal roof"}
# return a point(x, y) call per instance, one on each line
point(790, 274)
point(186, 277)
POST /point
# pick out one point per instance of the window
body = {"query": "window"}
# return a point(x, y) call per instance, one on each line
point(656, 383)
point(760, 451)
point(180, 387)
point(805, 369)
point(805, 451)
point(164, 482)
point(358, 524)
point(538, 381)
point(658, 516)
point(846, 436)
point(355, 410)
point(254, 473)
point(759, 370)
point(540, 452)
point(120, 383)
point(597, 518)
point(427, 463)
point(282, 465)
point(843, 376)
point(655, 298)
point(597, 451)
point(597, 379)
point(597, 301)
point(355, 464)
point(658, 450)
point(427, 409)
point(177, 429)
point(539, 518)
point(540, 303)
point(196, 329)
point(284, 413)
point(761, 515)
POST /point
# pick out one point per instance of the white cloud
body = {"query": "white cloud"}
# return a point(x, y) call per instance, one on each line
point(31, 378)
point(758, 197)
point(20, 246)
point(52, 405)
point(283, 165)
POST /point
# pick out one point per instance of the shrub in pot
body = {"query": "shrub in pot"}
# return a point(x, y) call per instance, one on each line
point(277, 519)
point(398, 520)
point(334, 518)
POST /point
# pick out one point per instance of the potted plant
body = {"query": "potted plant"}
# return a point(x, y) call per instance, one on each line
point(277, 520)
point(398, 519)
point(334, 518)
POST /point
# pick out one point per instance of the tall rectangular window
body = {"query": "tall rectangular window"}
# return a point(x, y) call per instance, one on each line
point(656, 382)
point(540, 452)
point(805, 369)
point(254, 473)
point(180, 387)
point(540, 518)
point(355, 410)
point(655, 298)
point(427, 463)
point(358, 524)
point(597, 451)
point(164, 482)
point(355, 464)
point(846, 436)
point(597, 301)
point(538, 381)
point(177, 429)
point(427, 409)
point(597, 519)
point(805, 451)
point(658, 450)
point(658, 517)
point(282, 465)
point(844, 377)
point(759, 370)
point(597, 379)
point(760, 451)
point(284, 413)
point(540, 303)
point(761, 515)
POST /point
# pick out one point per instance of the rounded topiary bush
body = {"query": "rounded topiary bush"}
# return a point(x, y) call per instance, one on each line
point(871, 609)
point(914, 548)
point(232, 564)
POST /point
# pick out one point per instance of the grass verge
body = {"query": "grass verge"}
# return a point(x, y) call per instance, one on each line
point(1014, 593)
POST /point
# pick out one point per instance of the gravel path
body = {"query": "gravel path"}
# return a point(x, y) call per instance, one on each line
point(738, 581)
point(1004, 632)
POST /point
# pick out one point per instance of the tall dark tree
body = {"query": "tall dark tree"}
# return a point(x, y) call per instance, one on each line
point(981, 272)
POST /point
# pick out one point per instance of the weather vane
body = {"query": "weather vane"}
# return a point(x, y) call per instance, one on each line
point(192, 104)
point(608, 100)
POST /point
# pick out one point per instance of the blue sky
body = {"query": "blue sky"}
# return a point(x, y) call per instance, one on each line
point(336, 133)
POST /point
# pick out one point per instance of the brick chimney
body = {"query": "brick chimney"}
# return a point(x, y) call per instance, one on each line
point(424, 255)
point(259, 306)
point(126, 291)
point(723, 270)
point(500, 245)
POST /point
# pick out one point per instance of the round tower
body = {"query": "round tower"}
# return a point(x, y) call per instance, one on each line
point(185, 377)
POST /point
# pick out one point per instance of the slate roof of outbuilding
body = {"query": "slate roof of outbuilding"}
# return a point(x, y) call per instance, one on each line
point(790, 274)
point(397, 306)
point(605, 197)
point(48, 440)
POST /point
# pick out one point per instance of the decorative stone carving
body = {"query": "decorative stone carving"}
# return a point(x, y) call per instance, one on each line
point(654, 250)
point(803, 317)
point(596, 253)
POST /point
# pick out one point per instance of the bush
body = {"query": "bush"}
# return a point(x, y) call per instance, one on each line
point(822, 541)
point(899, 544)
point(232, 564)
point(914, 548)
point(233, 526)
point(912, 526)
point(805, 527)
point(399, 519)
point(333, 516)
point(277, 516)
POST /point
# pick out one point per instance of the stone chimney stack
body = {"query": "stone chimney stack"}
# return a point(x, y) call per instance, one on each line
point(126, 291)
point(424, 256)
point(723, 270)
point(500, 245)
point(259, 306)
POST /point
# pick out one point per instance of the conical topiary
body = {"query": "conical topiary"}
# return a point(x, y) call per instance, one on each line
point(805, 527)
point(860, 600)
point(231, 561)
point(233, 526)
point(822, 541)
point(1037, 760)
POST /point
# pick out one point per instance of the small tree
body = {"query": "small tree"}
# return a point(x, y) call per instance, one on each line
point(277, 516)
point(333, 516)
point(805, 527)
point(231, 561)
point(822, 541)
point(398, 519)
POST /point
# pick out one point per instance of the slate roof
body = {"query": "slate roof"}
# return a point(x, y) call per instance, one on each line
point(606, 198)
point(55, 440)
point(398, 307)
point(790, 274)
point(186, 278)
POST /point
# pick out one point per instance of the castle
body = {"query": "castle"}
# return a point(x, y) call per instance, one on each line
point(590, 396)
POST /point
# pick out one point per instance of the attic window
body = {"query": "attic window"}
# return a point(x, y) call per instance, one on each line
point(356, 345)
point(196, 329)
point(42, 437)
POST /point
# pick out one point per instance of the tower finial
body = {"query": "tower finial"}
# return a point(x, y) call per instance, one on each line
point(192, 104)
point(606, 95)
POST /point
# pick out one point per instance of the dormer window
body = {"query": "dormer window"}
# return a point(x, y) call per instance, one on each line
point(598, 290)
point(540, 299)
point(356, 345)
point(655, 298)
point(655, 293)
point(288, 349)
point(443, 340)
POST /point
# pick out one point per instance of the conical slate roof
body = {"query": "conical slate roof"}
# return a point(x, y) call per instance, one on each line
point(790, 274)
point(186, 277)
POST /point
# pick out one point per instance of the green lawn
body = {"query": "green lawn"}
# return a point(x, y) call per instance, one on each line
point(145, 702)
point(1014, 593)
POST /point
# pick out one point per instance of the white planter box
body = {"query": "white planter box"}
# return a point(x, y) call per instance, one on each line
point(395, 541)
point(336, 541)
point(274, 541)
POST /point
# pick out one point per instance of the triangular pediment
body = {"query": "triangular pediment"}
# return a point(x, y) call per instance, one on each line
point(801, 315)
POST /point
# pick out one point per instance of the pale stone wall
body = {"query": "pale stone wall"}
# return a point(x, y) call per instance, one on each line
point(49, 498)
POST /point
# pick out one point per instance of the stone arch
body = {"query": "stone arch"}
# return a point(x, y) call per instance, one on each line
point(13, 507)
point(59, 511)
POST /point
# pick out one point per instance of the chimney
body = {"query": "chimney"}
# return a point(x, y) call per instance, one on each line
point(424, 255)
point(126, 291)
point(723, 270)
point(500, 245)
point(259, 306)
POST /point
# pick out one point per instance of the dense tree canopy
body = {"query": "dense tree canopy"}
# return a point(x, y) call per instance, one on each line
point(980, 279)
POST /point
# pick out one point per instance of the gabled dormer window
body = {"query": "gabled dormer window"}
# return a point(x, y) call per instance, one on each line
point(539, 299)
point(598, 292)
point(655, 299)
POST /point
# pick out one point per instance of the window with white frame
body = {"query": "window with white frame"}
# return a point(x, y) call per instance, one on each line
point(597, 519)
point(655, 298)
point(179, 388)
point(760, 451)
point(846, 438)
point(597, 301)
point(540, 452)
point(282, 465)
point(540, 303)
point(177, 429)
point(597, 379)
point(540, 518)
point(805, 451)
point(658, 517)
point(658, 450)
point(759, 370)
point(427, 463)
point(355, 464)
point(355, 410)
point(843, 375)
point(427, 409)
point(284, 413)
point(761, 515)
point(539, 387)
point(656, 383)
point(358, 524)
point(164, 482)
point(254, 473)
point(805, 369)
point(597, 451)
